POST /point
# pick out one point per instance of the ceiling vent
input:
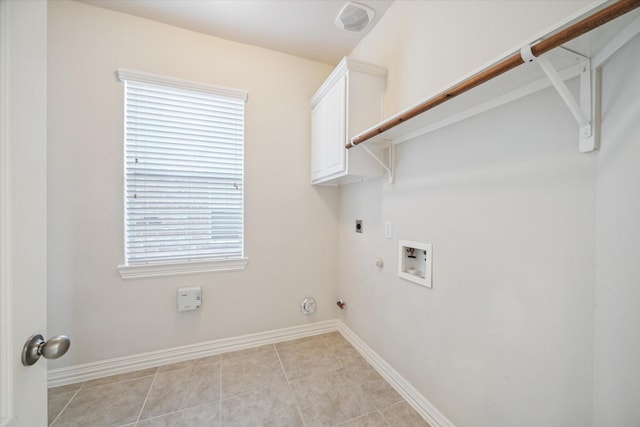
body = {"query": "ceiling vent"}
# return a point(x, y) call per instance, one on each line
point(354, 17)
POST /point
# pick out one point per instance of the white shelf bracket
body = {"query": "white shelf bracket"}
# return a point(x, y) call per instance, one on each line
point(389, 166)
point(583, 111)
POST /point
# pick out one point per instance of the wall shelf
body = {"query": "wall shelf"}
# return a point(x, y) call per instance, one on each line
point(579, 56)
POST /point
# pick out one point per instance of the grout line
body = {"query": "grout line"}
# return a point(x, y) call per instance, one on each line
point(333, 352)
point(286, 377)
point(147, 396)
point(248, 353)
point(324, 340)
point(383, 417)
point(85, 385)
point(344, 365)
point(65, 406)
point(342, 423)
point(169, 413)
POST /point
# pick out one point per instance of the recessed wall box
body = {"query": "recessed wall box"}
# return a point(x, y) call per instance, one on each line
point(414, 263)
point(189, 298)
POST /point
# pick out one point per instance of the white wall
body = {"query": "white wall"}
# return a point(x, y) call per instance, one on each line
point(427, 45)
point(617, 292)
point(507, 328)
point(505, 336)
point(291, 227)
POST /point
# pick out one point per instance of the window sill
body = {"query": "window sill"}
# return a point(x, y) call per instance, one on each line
point(176, 268)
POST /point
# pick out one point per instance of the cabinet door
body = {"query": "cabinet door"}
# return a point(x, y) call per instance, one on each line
point(328, 134)
point(336, 128)
point(319, 140)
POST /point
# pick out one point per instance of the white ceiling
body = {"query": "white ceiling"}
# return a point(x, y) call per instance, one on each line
point(303, 28)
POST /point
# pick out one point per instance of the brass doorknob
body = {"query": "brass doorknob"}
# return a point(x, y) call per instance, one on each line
point(36, 346)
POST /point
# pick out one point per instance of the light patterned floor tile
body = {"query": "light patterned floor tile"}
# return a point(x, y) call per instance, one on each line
point(329, 399)
point(307, 359)
point(247, 351)
point(65, 388)
point(403, 415)
point(201, 416)
point(56, 403)
point(247, 373)
point(189, 363)
point(120, 377)
point(180, 389)
point(111, 404)
point(373, 419)
point(299, 341)
point(321, 380)
point(334, 339)
point(273, 406)
point(341, 349)
point(376, 388)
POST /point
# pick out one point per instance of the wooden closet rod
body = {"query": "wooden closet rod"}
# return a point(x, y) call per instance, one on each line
point(543, 46)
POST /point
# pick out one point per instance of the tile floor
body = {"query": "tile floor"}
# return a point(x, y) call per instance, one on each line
point(314, 381)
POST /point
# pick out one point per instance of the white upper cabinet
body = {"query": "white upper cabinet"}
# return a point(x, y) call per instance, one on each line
point(348, 102)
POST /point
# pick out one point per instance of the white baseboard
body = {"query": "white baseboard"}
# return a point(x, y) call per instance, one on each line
point(121, 365)
point(397, 381)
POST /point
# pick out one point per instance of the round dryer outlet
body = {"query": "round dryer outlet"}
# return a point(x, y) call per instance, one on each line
point(308, 305)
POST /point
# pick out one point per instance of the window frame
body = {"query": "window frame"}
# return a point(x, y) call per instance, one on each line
point(179, 267)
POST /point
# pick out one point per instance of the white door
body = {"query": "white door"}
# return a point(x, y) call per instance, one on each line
point(23, 243)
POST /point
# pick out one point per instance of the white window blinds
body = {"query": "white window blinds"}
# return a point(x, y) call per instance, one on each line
point(183, 171)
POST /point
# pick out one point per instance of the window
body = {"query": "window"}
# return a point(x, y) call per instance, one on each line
point(184, 149)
